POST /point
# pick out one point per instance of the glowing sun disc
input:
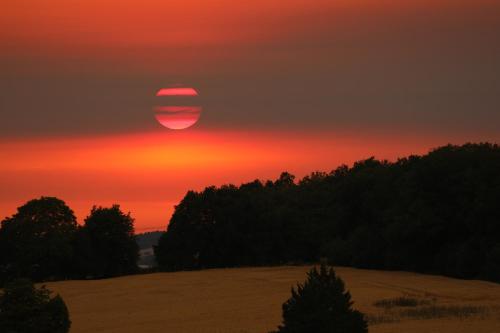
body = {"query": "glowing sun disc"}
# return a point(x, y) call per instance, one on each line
point(177, 107)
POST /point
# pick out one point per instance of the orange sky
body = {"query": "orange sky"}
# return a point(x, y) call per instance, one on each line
point(148, 173)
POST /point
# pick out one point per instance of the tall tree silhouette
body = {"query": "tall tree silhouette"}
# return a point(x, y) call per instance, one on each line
point(36, 241)
point(107, 243)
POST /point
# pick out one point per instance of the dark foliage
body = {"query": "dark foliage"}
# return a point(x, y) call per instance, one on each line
point(24, 309)
point(42, 241)
point(320, 305)
point(437, 213)
point(105, 246)
point(36, 241)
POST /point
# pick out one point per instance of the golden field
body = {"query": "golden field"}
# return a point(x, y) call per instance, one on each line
point(249, 300)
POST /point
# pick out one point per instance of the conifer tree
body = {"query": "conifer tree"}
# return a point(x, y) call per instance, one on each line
point(321, 305)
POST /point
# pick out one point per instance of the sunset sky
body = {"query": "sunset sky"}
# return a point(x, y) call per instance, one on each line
point(296, 85)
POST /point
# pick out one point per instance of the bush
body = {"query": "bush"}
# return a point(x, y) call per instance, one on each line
point(403, 301)
point(25, 309)
point(445, 311)
point(320, 305)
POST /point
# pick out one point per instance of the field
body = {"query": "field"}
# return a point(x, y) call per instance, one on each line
point(249, 300)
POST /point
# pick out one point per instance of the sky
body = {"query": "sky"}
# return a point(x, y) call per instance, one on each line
point(297, 85)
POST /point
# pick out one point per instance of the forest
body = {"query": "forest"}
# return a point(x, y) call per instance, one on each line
point(438, 213)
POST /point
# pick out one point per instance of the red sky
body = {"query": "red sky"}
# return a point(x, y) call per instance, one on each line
point(297, 85)
point(148, 173)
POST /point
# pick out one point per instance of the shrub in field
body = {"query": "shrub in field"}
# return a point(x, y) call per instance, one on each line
point(320, 305)
point(443, 311)
point(403, 301)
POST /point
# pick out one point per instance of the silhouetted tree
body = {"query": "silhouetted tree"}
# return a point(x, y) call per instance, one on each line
point(83, 265)
point(36, 241)
point(24, 309)
point(321, 304)
point(286, 179)
point(106, 244)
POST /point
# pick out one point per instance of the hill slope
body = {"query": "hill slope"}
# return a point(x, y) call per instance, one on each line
point(250, 299)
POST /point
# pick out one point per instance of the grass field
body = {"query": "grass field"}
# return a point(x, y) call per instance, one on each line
point(249, 300)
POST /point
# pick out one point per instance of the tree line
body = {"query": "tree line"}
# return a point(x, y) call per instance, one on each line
point(43, 241)
point(437, 213)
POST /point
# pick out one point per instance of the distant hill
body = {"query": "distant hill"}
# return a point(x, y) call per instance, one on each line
point(148, 239)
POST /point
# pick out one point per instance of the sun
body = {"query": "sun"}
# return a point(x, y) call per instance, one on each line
point(177, 107)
